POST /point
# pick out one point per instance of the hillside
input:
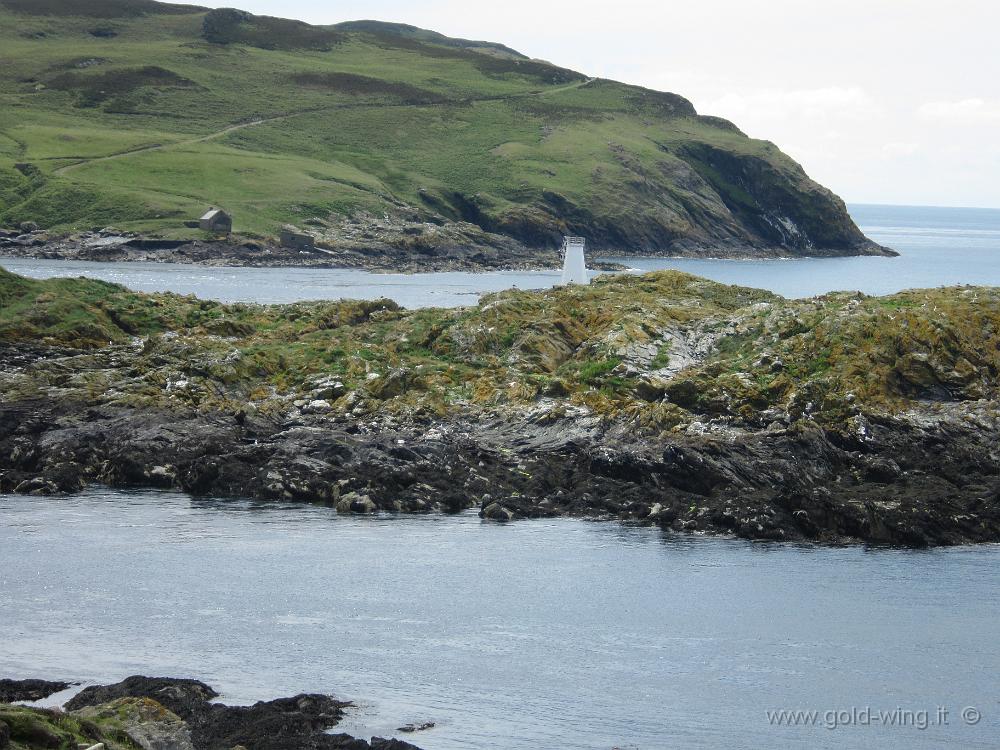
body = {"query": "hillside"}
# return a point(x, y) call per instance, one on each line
point(140, 115)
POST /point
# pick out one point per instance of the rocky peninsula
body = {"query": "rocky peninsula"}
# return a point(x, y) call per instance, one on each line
point(658, 399)
point(412, 248)
point(149, 713)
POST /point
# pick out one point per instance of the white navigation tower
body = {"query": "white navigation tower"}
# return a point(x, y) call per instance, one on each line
point(574, 264)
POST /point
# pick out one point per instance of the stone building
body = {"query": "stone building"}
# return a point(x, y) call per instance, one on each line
point(216, 221)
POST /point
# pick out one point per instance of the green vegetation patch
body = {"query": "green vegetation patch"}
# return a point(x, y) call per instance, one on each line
point(97, 8)
point(36, 728)
point(358, 85)
point(230, 26)
point(95, 89)
point(821, 359)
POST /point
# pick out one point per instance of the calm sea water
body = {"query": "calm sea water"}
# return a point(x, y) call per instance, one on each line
point(283, 285)
point(939, 246)
point(549, 633)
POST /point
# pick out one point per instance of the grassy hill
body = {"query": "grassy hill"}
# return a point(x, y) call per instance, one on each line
point(141, 114)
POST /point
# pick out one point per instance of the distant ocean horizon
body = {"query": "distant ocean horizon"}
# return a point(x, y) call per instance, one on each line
point(938, 246)
point(862, 204)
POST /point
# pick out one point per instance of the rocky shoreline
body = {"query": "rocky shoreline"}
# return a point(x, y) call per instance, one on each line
point(114, 247)
point(912, 480)
point(159, 713)
point(663, 399)
point(434, 249)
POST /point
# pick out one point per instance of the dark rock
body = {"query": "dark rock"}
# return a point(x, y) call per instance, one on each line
point(283, 724)
point(900, 481)
point(410, 728)
point(378, 743)
point(12, 691)
point(650, 390)
point(183, 697)
point(297, 723)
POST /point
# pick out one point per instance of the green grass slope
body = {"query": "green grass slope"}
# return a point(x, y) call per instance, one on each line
point(140, 114)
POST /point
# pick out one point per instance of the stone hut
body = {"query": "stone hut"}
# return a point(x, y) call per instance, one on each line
point(291, 237)
point(216, 221)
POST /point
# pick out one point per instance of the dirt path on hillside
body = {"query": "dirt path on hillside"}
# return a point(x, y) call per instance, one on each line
point(277, 118)
point(189, 142)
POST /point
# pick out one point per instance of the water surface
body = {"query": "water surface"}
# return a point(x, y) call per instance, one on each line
point(284, 285)
point(937, 246)
point(548, 633)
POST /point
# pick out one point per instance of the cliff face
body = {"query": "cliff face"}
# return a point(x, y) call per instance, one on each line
point(140, 115)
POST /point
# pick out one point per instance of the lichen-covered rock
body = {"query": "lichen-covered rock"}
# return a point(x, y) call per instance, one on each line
point(145, 721)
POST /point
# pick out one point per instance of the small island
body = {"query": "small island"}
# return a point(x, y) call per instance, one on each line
point(658, 399)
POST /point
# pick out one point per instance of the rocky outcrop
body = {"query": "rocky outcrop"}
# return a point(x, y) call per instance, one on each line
point(14, 691)
point(162, 713)
point(422, 249)
point(662, 399)
point(908, 480)
point(176, 714)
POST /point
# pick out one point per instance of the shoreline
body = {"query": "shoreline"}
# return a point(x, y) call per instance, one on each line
point(181, 714)
point(862, 485)
point(509, 255)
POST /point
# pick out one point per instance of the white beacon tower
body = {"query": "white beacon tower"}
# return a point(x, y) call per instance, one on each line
point(574, 264)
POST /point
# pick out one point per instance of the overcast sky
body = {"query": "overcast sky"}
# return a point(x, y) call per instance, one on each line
point(883, 101)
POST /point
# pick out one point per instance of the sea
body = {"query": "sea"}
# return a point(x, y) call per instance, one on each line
point(540, 634)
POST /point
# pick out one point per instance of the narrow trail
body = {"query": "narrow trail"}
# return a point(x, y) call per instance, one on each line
point(189, 142)
point(313, 110)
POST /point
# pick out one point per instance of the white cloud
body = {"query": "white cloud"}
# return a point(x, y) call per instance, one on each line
point(965, 110)
point(843, 102)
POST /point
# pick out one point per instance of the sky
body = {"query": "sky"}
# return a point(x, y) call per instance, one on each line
point(882, 101)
